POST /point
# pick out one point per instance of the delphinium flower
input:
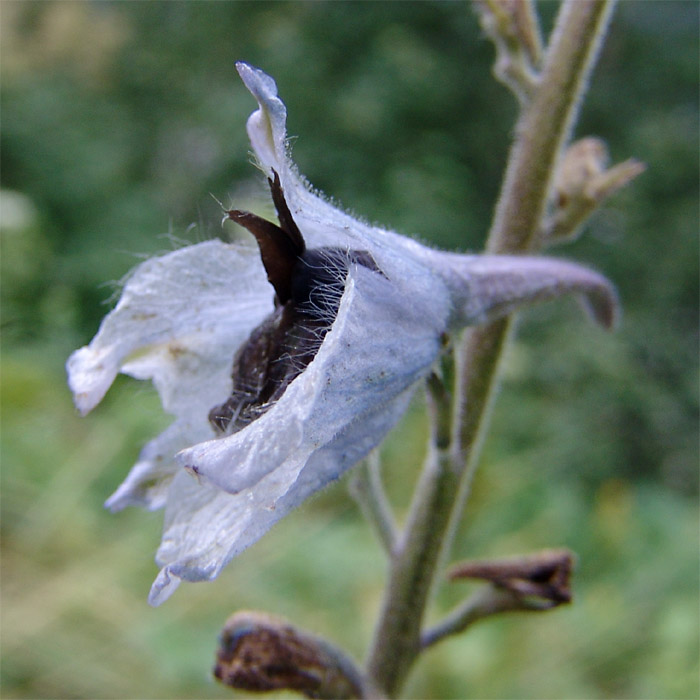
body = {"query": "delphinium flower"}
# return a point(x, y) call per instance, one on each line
point(286, 364)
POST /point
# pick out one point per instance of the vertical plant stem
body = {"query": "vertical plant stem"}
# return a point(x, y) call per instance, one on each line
point(414, 560)
point(542, 129)
point(545, 124)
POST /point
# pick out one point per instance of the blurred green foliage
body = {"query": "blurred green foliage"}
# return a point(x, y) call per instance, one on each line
point(119, 119)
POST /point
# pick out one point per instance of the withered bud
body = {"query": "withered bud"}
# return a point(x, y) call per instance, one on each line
point(583, 173)
point(582, 182)
point(583, 160)
point(544, 576)
point(259, 652)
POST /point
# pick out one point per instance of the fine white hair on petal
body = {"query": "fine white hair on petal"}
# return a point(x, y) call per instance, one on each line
point(182, 317)
point(331, 416)
point(378, 346)
point(320, 222)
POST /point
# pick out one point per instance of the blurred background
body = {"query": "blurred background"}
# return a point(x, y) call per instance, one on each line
point(118, 122)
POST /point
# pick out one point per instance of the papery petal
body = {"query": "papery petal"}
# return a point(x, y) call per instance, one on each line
point(189, 309)
point(380, 344)
point(182, 316)
point(329, 418)
point(149, 479)
point(206, 527)
point(320, 222)
point(486, 287)
point(179, 321)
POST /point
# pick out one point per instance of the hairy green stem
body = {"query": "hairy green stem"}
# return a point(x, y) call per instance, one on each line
point(367, 489)
point(542, 131)
point(545, 124)
point(398, 639)
point(414, 560)
point(543, 127)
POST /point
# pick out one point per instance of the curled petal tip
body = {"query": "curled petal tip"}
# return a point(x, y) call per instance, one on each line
point(604, 306)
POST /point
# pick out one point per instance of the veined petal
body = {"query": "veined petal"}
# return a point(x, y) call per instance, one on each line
point(179, 321)
point(206, 527)
point(182, 317)
point(484, 287)
point(183, 312)
point(149, 479)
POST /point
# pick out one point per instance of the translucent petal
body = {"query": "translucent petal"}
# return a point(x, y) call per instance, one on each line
point(182, 316)
point(319, 221)
point(148, 481)
point(179, 321)
point(179, 316)
point(483, 287)
point(206, 527)
point(329, 418)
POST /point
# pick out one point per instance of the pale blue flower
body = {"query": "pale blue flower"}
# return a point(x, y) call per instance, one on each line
point(182, 317)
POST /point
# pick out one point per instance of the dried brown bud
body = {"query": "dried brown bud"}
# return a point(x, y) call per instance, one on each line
point(582, 162)
point(544, 576)
point(259, 652)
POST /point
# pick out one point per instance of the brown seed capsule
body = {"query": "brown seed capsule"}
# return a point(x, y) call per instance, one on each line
point(262, 653)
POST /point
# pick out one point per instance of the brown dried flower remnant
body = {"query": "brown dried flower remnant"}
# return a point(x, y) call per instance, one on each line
point(260, 653)
point(544, 576)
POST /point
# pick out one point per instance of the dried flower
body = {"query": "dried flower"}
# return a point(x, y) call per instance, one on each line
point(325, 353)
point(259, 653)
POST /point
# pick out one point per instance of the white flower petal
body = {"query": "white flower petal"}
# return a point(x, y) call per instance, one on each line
point(198, 302)
point(179, 321)
point(484, 287)
point(380, 344)
point(182, 317)
point(320, 222)
point(148, 481)
point(206, 527)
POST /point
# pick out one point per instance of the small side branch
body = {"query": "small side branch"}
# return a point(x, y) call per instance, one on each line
point(367, 489)
point(534, 583)
point(513, 27)
point(487, 601)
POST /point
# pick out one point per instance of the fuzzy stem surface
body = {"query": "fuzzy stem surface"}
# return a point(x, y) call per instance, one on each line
point(543, 127)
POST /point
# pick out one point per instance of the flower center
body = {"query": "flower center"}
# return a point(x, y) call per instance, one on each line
point(309, 284)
